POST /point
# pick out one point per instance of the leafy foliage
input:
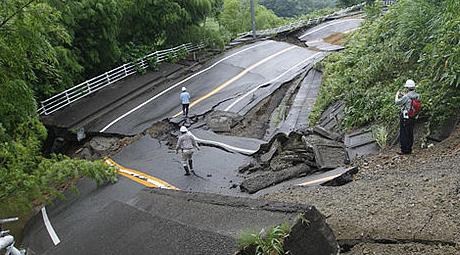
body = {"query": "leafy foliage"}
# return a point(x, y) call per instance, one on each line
point(292, 8)
point(236, 17)
point(33, 62)
point(266, 243)
point(380, 134)
point(417, 40)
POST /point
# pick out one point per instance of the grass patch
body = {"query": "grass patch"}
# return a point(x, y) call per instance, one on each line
point(270, 242)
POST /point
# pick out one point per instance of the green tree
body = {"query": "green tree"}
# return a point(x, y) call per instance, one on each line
point(94, 26)
point(163, 22)
point(236, 17)
point(292, 8)
point(31, 39)
point(31, 47)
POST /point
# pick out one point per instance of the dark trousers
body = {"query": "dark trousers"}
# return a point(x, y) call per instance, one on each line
point(406, 134)
point(185, 109)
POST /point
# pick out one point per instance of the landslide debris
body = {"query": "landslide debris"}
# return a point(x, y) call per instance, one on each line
point(395, 197)
point(286, 157)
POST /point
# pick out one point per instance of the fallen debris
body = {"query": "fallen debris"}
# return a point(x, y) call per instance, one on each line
point(360, 143)
point(342, 179)
point(286, 157)
point(326, 133)
point(329, 156)
point(332, 116)
point(269, 178)
point(220, 121)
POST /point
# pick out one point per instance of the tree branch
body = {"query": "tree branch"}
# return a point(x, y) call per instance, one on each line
point(16, 13)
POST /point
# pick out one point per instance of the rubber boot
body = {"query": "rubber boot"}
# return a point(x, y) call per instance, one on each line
point(187, 172)
point(190, 163)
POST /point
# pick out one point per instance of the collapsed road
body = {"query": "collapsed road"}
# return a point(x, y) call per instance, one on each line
point(240, 101)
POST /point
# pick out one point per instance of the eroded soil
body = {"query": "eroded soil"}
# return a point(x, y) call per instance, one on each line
point(413, 198)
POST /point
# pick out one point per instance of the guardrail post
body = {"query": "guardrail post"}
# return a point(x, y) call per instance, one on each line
point(44, 108)
point(67, 97)
point(124, 68)
point(88, 86)
point(142, 64)
point(108, 78)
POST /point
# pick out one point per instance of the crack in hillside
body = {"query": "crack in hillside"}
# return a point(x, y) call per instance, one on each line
point(346, 245)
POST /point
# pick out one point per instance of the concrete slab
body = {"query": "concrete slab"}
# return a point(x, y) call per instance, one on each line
point(304, 100)
point(324, 177)
point(252, 184)
point(329, 156)
point(331, 118)
point(360, 143)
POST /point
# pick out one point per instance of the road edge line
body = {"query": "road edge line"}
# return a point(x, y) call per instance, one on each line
point(49, 227)
point(177, 84)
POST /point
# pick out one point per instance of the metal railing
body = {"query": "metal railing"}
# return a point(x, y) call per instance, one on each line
point(90, 86)
point(304, 23)
point(388, 2)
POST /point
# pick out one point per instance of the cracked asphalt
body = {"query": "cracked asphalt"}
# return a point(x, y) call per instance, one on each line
point(102, 220)
point(249, 63)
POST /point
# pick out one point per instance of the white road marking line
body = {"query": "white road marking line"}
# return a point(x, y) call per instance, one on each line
point(50, 228)
point(325, 179)
point(229, 147)
point(328, 25)
point(178, 84)
point(271, 81)
point(235, 78)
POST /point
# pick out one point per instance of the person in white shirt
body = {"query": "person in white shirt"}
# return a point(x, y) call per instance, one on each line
point(187, 143)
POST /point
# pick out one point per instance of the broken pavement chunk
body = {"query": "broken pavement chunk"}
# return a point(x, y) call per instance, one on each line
point(220, 121)
point(360, 143)
point(342, 179)
point(267, 179)
point(326, 133)
point(269, 155)
point(329, 156)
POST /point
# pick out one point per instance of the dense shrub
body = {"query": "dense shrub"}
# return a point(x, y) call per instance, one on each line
point(416, 39)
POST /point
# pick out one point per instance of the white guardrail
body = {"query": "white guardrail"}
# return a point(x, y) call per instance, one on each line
point(88, 87)
point(388, 2)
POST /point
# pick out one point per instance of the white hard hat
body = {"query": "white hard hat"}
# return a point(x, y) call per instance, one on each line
point(184, 88)
point(183, 129)
point(410, 84)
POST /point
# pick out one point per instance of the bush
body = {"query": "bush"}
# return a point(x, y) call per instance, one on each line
point(266, 243)
point(26, 177)
point(416, 39)
point(380, 134)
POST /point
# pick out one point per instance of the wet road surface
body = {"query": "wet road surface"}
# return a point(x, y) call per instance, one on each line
point(240, 71)
point(106, 220)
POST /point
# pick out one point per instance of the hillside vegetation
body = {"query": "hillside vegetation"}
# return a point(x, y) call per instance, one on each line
point(292, 8)
point(416, 39)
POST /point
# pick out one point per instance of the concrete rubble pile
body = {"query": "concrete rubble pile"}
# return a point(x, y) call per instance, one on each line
point(291, 156)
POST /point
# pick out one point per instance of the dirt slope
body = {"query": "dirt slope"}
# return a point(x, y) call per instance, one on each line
point(396, 204)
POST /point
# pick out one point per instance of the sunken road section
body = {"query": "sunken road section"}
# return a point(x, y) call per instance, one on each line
point(159, 221)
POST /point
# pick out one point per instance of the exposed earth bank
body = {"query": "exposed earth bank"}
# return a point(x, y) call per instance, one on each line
point(396, 204)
